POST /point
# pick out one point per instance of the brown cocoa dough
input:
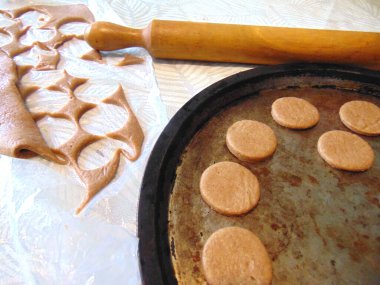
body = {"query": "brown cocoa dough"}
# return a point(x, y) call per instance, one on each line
point(20, 136)
point(361, 117)
point(251, 140)
point(57, 16)
point(294, 113)
point(346, 151)
point(236, 256)
point(229, 188)
point(130, 59)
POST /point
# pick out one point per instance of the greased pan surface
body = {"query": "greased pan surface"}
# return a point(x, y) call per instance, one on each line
point(320, 225)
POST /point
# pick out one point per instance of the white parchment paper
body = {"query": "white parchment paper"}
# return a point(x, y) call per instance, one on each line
point(41, 240)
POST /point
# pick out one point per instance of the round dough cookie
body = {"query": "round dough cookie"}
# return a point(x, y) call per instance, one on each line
point(361, 117)
point(294, 113)
point(235, 255)
point(346, 151)
point(229, 188)
point(251, 140)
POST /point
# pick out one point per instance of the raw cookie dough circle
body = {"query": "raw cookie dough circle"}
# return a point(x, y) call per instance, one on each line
point(251, 140)
point(294, 113)
point(235, 255)
point(346, 151)
point(361, 117)
point(229, 188)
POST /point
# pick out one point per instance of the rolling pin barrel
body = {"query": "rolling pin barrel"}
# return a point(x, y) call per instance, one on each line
point(240, 43)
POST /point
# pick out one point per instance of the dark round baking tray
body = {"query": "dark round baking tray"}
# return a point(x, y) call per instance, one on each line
point(160, 172)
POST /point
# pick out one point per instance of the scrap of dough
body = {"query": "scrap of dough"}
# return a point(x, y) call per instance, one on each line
point(67, 83)
point(58, 15)
point(294, 113)
point(251, 140)
point(361, 117)
point(93, 55)
point(47, 61)
point(346, 151)
point(229, 188)
point(131, 133)
point(234, 255)
point(19, 134)
point(58, 39)
point(129, 60)
point(15, 31)
point(96, 179)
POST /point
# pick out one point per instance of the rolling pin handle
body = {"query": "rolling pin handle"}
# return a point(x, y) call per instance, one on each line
point(108, 36)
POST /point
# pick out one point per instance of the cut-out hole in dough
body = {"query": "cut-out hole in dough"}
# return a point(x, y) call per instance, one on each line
point(93, 91)
point(31, 57)
point(4, 39)
point(98, 154)
point(56, 131)
point(41, 78)
point(33, 19)
point(44, 100)
point(103, 119)
point(27, 58)
point(74, 48)
point(34, 35)
point(5, 21)
point(73, 28)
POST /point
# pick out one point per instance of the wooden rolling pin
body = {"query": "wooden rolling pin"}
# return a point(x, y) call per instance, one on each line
point(240, 43)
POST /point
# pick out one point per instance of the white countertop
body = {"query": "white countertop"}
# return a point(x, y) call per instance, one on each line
point(41, 240)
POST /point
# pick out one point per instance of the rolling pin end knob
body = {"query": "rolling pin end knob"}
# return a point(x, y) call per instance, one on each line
point(109, 36)
point(89, 37)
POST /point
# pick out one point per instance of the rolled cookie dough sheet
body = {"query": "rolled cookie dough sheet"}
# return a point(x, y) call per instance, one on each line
point(19, 134)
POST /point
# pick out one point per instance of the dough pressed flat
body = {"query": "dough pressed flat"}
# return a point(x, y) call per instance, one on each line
point(294, 113)
point(346, 151)
point(229, 188)
point(236, 256)
point(361, 117)
point(251, 140)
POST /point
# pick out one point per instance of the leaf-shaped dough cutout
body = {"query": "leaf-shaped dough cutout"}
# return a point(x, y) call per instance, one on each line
point(103, 119)
point(56, 131)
